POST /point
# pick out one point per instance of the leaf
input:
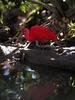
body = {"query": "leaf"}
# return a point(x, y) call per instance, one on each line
point(23, 7)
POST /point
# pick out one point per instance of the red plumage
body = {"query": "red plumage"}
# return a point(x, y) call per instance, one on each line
point(39, 33)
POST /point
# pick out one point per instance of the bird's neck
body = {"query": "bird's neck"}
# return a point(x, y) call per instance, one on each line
point(26, 32)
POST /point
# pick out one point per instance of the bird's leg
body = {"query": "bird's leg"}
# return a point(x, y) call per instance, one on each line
point(37, 43)
point(42, 45)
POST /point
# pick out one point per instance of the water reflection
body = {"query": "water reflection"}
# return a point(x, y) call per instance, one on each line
point(30, 84)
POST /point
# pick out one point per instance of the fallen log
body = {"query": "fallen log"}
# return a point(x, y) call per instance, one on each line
point(43, 57)
point(51, 58)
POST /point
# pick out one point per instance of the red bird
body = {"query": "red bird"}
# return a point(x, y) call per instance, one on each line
point(39, 33)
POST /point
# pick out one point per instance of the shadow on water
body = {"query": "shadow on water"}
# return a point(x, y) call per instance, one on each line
point(37, 84)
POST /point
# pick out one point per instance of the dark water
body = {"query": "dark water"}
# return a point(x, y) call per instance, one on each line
point(39, 84)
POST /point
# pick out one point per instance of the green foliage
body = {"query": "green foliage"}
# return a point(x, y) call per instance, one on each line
point(72, 81)
point(23, 7)
point(71, 29)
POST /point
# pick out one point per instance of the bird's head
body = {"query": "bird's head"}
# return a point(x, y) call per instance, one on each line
point(25, 32)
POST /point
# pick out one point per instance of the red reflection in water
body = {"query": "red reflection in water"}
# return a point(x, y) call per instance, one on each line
point(40, 92)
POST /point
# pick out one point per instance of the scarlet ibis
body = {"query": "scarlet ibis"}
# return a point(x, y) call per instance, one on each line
point(39, 33)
